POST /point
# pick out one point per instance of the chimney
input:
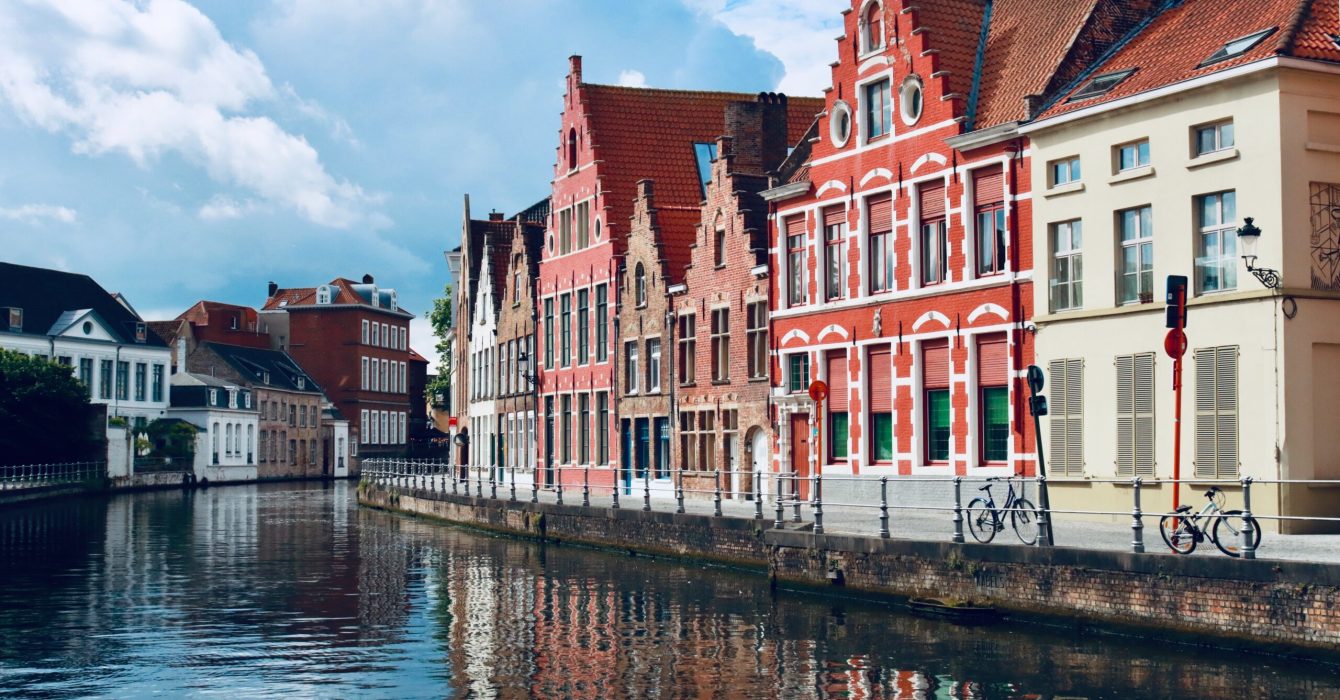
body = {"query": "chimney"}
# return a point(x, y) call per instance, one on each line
point(272, 288)
point(495, 216)
point(367, 279)
point(575, 68)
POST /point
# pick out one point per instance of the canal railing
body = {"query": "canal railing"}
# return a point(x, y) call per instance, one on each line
point(869, 504)
point(30, 476)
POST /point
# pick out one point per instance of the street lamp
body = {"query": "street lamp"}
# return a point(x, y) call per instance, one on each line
point(1248, 238)
point(522, 362)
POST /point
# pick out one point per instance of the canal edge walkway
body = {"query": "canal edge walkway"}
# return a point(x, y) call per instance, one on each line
point(1290, 606)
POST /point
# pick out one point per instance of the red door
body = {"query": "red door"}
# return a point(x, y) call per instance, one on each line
point(800, 451)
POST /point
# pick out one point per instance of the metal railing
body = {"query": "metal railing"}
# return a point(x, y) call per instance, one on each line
point(26, 476)
point(793, 494)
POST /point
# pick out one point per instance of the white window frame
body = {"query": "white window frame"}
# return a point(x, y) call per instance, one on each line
point(1073, 254)
point(1221, 230)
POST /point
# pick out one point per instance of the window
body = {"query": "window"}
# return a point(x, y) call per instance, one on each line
point(1067, 290)
point(878, 110)
point(721, 345)
point(386, 427)
point(376, 334)
point(602, 322)
point(630, 375)
point(688, 348)
point(1217, 412)
point(1065, 402)
point(566, 423)
point(228, 440)
point(292, 451)
point(141, 380)
point(565, 339)
point(688, 440)
point(157, 390)
point(572, 148)
point(386, 336)
point(583, 428)
point(640, 286)
point(795, 260)
point(910, 100)
point(707, 447)
point(16, 321)
point(872, 29)
point(123, 381)
point(385, 379)
point(292, 416)
point(756, 338)
point(1135, 415)
point(653, 365)
point(365, 333)
point(1211, 138)
point(798, 373)
point(1137, 255)
point(1100, 84)
point(583, 325)
point(1237, 47)
point(549, 333)
point(516, 280)
point(879, 212)
point(834, 223)
point(363, 381)
point(1132, 155)
point(838, 433)
point(993, 398)
point(880, 378)
point(839, 124)
point(214, 443)
point(362, 425)
point(602, 427)
point(989, 193)
point(583, 222)
point(86, 375)
point(565, 231)
point(719, 247)
point(105, 379)
point(302, 416)
point(1216, 265)
point(935, 375)
point(934, 241)
point(1064, 171)
point(704, 154)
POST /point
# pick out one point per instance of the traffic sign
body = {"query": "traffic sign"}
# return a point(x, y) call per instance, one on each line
point(1175, 343)
point(818, 390)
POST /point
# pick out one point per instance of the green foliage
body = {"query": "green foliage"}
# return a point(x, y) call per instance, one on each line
point(440, 318)
point(44, 412)
point(171, 438)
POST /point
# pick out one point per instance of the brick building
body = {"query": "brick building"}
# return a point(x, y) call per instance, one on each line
point(516, 404)
point(353, 338)
point(610, 138)
point(902, 273)
point(720, 338)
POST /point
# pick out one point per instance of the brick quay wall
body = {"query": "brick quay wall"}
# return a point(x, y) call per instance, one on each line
point(1282, 605)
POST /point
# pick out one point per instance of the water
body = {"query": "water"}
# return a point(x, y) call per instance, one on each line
point(293, 591)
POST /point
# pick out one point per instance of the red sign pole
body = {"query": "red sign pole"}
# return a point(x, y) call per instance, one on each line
point(818, 392)
point(1175, 345)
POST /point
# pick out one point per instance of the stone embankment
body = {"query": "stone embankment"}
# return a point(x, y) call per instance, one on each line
point(1282, 605)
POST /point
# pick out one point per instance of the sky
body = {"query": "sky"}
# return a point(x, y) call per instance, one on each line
point(178, 151)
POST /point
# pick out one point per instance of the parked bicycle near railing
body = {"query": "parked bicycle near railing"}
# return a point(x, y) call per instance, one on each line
point(985, 519)
point(1182, 530)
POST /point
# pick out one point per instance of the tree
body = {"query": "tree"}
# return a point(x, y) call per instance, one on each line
point(44, 412)
point(440, 317)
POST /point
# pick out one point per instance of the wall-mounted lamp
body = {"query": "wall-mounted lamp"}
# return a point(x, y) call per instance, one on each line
point(1248, 238)
point(522, 362)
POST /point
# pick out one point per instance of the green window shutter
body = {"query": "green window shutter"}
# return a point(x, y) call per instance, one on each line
point(838, 434)
point(938, 432)
point(996, 424)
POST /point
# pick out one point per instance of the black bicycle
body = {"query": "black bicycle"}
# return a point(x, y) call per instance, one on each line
point(985, 519)
point(1182, 530)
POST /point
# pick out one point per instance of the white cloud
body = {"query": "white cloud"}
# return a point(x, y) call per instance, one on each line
point(800, 33)
point(35, 213)
point(632, 78)
point(221, 208)
point(151, 79)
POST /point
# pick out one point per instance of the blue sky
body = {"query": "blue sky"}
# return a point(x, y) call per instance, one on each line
point(179, 151)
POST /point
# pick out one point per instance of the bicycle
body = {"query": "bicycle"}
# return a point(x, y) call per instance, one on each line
point(1181, 530)
point(985, 519)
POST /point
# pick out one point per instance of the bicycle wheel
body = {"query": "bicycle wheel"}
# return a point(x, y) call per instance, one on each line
point(1024, 516)
point(1229, 538)
point(981, 520)
point(1180, 538)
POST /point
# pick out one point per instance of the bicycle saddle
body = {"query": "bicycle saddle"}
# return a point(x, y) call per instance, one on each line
point(1183, 509)
point(984, 488)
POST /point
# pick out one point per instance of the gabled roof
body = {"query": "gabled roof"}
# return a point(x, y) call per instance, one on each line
point(481, 237)
point(1175, 46)
point(44, 295)
point(343, 291)
point(678, 235)
point(254, 363)
point(955, 28)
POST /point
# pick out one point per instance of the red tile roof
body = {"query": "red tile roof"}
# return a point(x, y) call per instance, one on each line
point(1172, 47)
point(955, 29)
point(678, 234)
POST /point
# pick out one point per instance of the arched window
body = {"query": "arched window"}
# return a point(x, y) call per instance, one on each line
point(251, 443)
point(640, 285)
point(872, 36)
point(572, 148)
point(228, 439)
point(214, 442)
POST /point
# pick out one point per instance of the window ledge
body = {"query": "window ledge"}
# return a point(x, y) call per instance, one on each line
point(720, 382)
point(1323, 147)
point(1212, 157)
point(1141, 172)
point(1067, 188)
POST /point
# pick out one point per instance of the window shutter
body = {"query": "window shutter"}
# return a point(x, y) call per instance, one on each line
point(1217, 412)
point(837, 380)
point(1125, 415)
point(1074, 382)
point(1144, 414)
point(988, 186)
point(992, 361)
point(795, 225)
point(932, 200)
point(881, 380)
point(1056, 423)
point(835, 216)
point(936, 355)
point(881, 213)
point(1205, 403)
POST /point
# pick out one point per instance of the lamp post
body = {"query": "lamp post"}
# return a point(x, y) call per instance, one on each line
point(1249, 236)
point(522, 362)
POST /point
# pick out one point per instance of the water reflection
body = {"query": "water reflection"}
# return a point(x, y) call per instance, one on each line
point(286, 590)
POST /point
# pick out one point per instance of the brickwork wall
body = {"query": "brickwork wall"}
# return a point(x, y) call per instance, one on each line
point(516, 325)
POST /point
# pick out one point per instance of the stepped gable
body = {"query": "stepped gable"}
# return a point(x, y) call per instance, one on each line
point(481, 233)
point(954, 30)
point(677, 235)
point(1172, 48)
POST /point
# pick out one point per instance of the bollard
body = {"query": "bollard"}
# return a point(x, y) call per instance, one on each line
point(455, 479)
point(818, 505)
point(646, 489)
point(679, 492)
point(884, 506)
point(795, 495)
point(479, 482)
point(534, 486)
point(777, 495)
point(1248, 531)
point(958, 509)
point(716, 497)
point(614, 491)
point(558, 472)
point(1044, 524)
point(758, 495)
point(512, 476)
point(1137, 521)
point(586, 486)
point(493, 481)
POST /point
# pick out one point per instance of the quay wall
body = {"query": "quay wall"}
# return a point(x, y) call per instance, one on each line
point(1279, 605)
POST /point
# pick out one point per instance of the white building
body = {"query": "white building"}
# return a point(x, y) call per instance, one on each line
point(227, 416)
point(70, 319)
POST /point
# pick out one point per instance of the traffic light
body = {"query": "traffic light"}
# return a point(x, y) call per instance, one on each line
point(1176, 301)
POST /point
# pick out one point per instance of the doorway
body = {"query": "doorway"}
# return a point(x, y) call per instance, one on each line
point(800, 453)
point(758, 453)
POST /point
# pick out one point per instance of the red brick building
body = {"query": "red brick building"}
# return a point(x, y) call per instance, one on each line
point(610, 137)
point(901, 236)
point(353, 338)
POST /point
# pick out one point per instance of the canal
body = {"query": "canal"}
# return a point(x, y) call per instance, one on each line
point(287, 590)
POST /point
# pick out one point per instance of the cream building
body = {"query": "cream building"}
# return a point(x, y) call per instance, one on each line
point(1147, 169)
